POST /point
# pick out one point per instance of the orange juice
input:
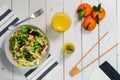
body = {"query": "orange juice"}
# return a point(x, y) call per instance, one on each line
point(61, 22)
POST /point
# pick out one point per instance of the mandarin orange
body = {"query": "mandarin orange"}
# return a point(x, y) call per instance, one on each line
point(84, 10)
point(89, 24)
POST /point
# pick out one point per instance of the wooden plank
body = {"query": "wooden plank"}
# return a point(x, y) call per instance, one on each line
point(41, 23)
point(55, 38)
point(73, 34)
point(6, 2)
point(109, 24)
point(21, 9)
point(118, 34)
point(41, 20)
point(88, 39)
point(5, 66)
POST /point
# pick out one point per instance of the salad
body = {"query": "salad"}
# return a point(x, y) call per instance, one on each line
point(27, 45)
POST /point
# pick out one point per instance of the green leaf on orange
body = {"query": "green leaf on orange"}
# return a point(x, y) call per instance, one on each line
point(79, 10)
point(97, 8)
point(97, 19)
point(81, 15)
point(87, 26)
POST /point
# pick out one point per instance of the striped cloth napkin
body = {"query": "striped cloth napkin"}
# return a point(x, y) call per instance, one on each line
point(46, 70)
point(7, 18)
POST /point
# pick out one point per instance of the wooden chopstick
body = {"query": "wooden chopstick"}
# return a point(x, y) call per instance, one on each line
point(91, 48)
point(76, 70)
point(99, 56)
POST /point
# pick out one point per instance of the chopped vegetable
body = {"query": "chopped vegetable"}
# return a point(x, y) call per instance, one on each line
point(26, 45)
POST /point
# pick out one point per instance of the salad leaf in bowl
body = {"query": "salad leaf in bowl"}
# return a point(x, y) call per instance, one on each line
point(27, 46)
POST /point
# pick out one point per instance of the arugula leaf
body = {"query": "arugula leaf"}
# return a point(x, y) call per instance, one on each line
point(26, 28)
point(25, 52)
point(21, 38)
point(36, 45)
point(36, 33)
point(31, 58)
point(12, 43)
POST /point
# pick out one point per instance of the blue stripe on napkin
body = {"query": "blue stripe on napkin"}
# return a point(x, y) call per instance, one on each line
point(31, 70)
point(41, 72)
point(48, 70)
point(5, 14)
point(11, 19)
point(7, 18)
point(6, 28)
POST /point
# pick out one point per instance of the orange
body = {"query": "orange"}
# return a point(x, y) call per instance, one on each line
point(98, 13)
point(84, 10)
point(89, 24)
point(101, 14)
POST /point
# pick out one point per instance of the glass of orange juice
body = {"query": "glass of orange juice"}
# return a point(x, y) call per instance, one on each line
point(61, 22)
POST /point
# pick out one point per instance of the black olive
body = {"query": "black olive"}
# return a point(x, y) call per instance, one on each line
point(21, 44)
point(35, 33)
point(28, 31)
point(27, 56)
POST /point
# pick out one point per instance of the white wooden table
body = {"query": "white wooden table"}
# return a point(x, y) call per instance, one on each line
point(82, 39)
